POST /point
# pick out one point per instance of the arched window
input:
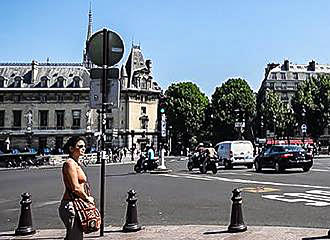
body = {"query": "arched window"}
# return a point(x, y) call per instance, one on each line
point(143, 83)
point(44, 81)
point(76, 82)
point(3, 82)
point(18, 81)
point(60, 82)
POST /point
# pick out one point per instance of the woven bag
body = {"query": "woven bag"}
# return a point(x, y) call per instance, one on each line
point(89, 215)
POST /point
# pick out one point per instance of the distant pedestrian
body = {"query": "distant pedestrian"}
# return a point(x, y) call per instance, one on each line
point(121, 154)
point(125, 151)
point(74, 180)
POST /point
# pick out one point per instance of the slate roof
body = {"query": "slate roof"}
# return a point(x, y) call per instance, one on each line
point(11, 73)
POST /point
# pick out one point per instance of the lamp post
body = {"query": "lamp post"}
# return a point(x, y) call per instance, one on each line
point(169, 139)
point(289, 123)
point(303, 126)
point(274, 127)
point(240, 122)
point(261, 126)
point(133, 148)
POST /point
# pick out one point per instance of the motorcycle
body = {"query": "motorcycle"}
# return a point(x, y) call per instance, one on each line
point(194, 161)
point(144, 164)
point(208, 164)
point(203, 162)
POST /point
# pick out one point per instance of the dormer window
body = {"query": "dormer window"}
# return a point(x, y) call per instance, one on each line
point(76, 82)
point(2, 82)
point(273, 76)
point(60, 82)
point(44, 82)
point(143, 84)
point(18, 81)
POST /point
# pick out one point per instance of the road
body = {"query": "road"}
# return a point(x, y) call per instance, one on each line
point(293, 198)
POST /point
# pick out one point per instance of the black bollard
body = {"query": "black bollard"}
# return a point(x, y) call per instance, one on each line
point(236, 222)
point(25, 219)
point(131, 224)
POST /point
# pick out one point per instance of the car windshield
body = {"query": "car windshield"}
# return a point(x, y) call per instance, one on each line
point(293, 148)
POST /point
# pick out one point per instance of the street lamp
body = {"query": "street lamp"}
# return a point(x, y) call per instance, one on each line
point(169, 139)
point(133, 148)
point(240, 122)
point(289, 122)
point(303, 126)
point(274, 127)
point(261, 126)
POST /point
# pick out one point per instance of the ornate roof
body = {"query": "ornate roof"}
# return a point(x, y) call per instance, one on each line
point(34, 75)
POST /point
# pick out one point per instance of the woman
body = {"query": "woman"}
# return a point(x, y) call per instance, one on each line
point(74, 180)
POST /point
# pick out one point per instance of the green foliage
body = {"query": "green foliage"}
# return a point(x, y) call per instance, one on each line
point(233, 94)
point(277, 115)
point(313, 95)
point(185, 106)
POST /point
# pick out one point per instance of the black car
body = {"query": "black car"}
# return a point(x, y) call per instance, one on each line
point(281, 157)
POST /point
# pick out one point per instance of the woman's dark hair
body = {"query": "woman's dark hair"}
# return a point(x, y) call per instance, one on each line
point(72, 143)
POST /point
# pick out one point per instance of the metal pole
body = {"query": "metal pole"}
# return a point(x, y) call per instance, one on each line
point(104, 79)
point(132, 149)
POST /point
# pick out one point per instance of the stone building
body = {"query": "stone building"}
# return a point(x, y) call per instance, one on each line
point(135, 122)
point(285, 77)
point(42, 104)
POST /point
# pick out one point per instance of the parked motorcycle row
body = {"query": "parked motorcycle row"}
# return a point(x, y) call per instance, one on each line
point(24, 162)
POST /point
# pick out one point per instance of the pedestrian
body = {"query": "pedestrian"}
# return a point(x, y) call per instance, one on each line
point(125, 151)
point(121, 154)
point(74, 179)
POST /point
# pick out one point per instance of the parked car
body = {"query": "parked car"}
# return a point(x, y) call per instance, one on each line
point(234, 153)
point(281, 157)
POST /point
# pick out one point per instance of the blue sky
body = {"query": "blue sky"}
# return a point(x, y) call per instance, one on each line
point(205, 42)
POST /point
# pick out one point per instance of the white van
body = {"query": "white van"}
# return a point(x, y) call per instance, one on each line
point(233, 153)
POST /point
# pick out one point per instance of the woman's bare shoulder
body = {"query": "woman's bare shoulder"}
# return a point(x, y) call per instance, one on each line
point(70, 163)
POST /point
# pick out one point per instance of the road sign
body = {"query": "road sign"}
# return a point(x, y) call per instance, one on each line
point(112, 93)
point(303, 128)
point(163, 126)
point(95, 95)
point(95, 48)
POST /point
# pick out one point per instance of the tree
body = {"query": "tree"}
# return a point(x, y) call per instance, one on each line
point(313, 98)
point(185, 106)
point(278, 116)
point(234, 94)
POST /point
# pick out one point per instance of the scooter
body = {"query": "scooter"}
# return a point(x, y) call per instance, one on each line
point(194, 161)
point(144, 164)
point(207, 164)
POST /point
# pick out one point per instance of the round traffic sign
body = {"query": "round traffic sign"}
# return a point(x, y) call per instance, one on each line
point(304, 127)
point(95, 48)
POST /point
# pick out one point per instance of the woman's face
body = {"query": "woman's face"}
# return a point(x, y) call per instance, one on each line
point(79, 149)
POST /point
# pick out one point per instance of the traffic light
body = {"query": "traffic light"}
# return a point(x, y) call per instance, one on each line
point(162, 104)
point(162, 117)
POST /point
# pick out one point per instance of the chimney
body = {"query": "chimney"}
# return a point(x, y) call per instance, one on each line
point(311, 65)
point(286, 65)
point(34, 71)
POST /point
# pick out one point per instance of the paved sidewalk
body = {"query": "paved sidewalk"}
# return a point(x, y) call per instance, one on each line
point(187, 232)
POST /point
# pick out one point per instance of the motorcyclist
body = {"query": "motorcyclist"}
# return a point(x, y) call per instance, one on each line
point(209, 153)
point(151, 155)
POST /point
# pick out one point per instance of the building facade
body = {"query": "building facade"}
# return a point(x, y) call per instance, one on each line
point(284, 78)
point(43, 104)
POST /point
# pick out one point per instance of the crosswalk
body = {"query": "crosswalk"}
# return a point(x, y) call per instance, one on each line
point(240, 180)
